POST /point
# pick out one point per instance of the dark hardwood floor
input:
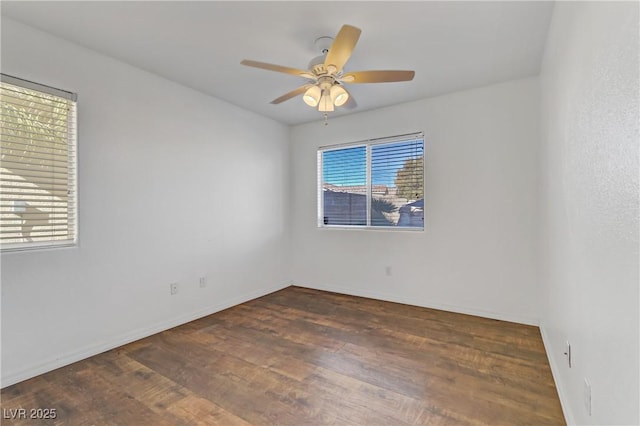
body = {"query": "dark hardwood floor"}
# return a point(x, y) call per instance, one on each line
point(306, 357)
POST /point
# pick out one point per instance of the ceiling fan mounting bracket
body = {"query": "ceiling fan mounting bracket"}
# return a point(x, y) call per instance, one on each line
point(322, 44)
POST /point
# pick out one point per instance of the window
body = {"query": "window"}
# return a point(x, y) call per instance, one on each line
point(373, 184)
point(38, 167)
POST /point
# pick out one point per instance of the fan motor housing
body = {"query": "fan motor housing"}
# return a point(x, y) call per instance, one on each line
point(317, 65)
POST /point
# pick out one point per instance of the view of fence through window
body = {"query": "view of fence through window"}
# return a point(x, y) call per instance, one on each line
point(376, 184)
point(37, 171)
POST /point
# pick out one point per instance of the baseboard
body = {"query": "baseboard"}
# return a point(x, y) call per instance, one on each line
point(91, 350)
point(564, 402)
point(429, 304)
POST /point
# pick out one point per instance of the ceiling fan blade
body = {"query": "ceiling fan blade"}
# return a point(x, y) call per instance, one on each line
point(342, 47)
point(292, 94)
point(273, 67)
point(377, 76)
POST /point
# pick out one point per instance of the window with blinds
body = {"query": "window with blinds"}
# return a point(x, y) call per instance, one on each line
point(372, 184)
point(37, 166)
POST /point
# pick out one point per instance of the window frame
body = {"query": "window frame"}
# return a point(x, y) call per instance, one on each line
point(72, 164)
point(368, 144)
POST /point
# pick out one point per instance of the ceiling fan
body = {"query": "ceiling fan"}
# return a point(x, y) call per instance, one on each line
point(326, 76)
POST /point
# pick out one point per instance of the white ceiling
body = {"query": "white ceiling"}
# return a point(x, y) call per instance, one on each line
point(450, 45)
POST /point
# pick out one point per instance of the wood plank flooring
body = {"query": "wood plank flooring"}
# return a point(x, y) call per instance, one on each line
point(306, 357)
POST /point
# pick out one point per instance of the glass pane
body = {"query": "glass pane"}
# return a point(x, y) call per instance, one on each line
point(344, 186)
point(397, 184)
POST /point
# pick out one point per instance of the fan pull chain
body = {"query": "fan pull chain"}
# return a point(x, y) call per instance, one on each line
point(326, 119)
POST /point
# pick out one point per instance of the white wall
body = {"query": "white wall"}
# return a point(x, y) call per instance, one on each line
point(589, 200)
point(478, 251)
point(173, 185)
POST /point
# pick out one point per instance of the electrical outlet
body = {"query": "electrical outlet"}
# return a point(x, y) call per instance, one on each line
point(173, 288)
point(567, 353)
point(203, 282)
point(587, 396)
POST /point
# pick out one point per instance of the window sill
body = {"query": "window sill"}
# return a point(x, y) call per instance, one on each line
point(371, 228)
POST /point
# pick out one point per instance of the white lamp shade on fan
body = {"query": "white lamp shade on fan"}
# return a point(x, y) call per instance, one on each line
point(312, 96)
point(339, 96)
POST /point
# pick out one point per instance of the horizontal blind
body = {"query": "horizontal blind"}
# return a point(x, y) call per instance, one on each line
point(344, 185)
point(397, 171)
point(37, 167)
point(377, 183)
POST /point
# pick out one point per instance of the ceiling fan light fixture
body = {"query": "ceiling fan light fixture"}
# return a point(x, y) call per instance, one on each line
point(326, 104)
point(312, 96)
point(339, 96)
